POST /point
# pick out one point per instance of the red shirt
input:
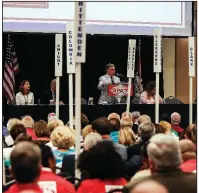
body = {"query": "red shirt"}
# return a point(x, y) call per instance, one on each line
point(99, 186)
point(47, 182)
point(188, 166)
point(177, 128)
point(31, 132)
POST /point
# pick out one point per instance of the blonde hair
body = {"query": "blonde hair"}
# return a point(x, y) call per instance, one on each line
point(143, 118)
point(62, 137)
point(126, 134)
point(125, 113)
point(28, 122)
point(13, 121)
point(53, 124)
point(166, 125)
point(86, 130)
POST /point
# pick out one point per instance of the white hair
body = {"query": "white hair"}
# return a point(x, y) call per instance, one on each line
point(113, 115)
point(91, 139)
point(146, 129)
point(28, 121)
point(164, 151)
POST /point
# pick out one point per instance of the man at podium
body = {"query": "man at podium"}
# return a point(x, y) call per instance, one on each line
point(104, 81)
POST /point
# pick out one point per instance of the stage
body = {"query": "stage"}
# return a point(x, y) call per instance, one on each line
point(94, 111)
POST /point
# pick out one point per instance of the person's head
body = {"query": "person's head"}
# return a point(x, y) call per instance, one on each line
point(25, 161)
point(102, 126)
point(13, 121)
point(86, 130)
point(16, 130)
point(84, 121)
point(53, 85)
point(151, 88)
point(124, 114)
point(41, 129)
point(52, 114)
point(62, 137)
point(146, 130)
point(91, 139)
point(53, 124)
point(110, 69)
point(164, 152)
point(28, 122)
point(175, 118)
point(23, 137)
point(159, 129)
point(115, 124)
point(187, 149)
point(113, 116)
point(191, 133)
point(166, 125)
point(135, 116)
point(47, 157)
point(24, 87)
point(148, 186)
point(143, 118)
point(101, 161)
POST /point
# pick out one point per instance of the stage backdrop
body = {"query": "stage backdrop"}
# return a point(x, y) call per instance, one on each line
point(36, 52)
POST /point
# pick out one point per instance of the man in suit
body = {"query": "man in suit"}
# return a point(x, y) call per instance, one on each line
point(49, 95)
point(104, 81)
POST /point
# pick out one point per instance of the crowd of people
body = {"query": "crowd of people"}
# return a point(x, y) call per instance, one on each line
point(119, 153)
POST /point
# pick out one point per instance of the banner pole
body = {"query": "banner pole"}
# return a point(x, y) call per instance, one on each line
point(70, 76)
point(57, 96)
point(190, 100)
point(128, 97)
point(157, 77)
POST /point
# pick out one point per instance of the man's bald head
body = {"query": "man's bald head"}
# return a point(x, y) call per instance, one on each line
point(149, 186)
point(25, 162)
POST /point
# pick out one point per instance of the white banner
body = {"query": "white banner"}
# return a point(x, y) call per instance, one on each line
point(131, 58)
point(70, 48)
point(157, 50)
point(80, 32)
point(191, 57)
point(58, 54)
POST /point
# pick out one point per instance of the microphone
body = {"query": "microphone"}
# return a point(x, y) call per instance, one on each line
point(118, 74)
point(122, 77)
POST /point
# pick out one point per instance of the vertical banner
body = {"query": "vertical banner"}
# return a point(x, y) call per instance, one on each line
point(157, 50)
point(131, 59)
point(80, 32)
point(58, 54)
point(191, 57)
point(70, 48)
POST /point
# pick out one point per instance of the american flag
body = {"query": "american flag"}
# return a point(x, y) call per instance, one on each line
point(11, 68)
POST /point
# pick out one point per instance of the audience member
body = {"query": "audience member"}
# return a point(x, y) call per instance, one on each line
point(191, 133)
point(113, 116)
point(159, 129)
point(99, 165)
point(168, 129)
point(13, 121)
point(29, 125)
point(143, 118)
point(86, 130)
point(114, 135)
point(175, 123)
point(124, 114)
point(135, 116)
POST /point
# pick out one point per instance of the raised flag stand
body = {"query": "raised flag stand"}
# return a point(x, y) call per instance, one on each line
point(130, 71)
point(58, 68)
point(70, 67)
point(157, 67)
point(79, 57)
point(191, 75)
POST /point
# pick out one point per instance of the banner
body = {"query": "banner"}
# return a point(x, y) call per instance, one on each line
point(191, 56)
point(58, 54)
point(131, 59)
point(70, 48)
point(157, 50)
point(80, 32)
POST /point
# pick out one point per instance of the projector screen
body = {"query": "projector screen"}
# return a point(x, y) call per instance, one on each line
point(132, 18)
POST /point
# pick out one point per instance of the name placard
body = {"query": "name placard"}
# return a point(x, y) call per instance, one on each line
point(157, 67)
point(80, 32)
point(70, 48)
point(191, 48)
point(58, 54)
point(131, 58)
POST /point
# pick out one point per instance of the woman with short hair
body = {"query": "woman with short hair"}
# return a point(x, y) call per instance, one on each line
point(24, 96)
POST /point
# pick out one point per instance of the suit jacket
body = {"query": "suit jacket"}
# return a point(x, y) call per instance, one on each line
point(48, 95)
point(103, 82)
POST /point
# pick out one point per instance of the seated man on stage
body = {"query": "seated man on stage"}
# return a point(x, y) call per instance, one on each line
point(49, 96)
point(104, 81)
point(148, 96)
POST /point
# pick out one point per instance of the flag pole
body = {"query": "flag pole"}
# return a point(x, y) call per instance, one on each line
point(157, 67)
point(70, 67)
point(58, 68)
point(130, 71)
point(80, 56)
point(191, 51)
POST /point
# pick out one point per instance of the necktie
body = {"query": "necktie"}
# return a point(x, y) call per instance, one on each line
point(112, 82)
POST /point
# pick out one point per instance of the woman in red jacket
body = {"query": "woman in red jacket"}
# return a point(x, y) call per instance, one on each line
point(102, 167)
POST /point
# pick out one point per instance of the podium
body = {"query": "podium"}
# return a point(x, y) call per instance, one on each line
point(119, 91)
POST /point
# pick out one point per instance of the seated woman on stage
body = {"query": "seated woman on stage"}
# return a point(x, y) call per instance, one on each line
point(24, 97)
point(148, 96)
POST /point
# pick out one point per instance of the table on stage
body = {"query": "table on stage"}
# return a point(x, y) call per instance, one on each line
point(94, 111)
